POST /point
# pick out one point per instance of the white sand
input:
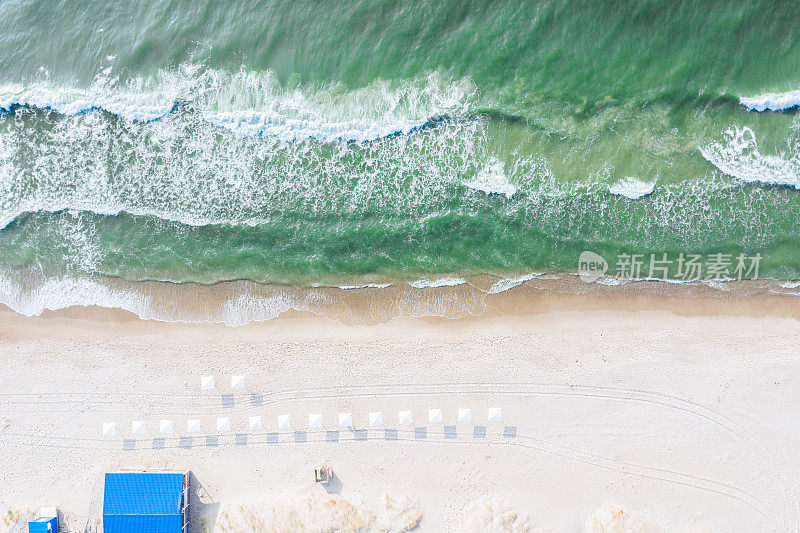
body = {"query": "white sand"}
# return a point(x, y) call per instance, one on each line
point(692, 423)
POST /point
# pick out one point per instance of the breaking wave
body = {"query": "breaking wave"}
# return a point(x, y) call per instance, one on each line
point(257, 103)
point(440, 282)
point(738, 156)
point(129, 106)
point(509, 283)
point(632, 188)
point(235, 303)
point(365, 286)
point(492, 179)
point(772, 101)
point(197, 177)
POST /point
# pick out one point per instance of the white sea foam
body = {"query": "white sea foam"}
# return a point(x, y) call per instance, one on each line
point(632, 188)
point(247, 308)
point(181, 169)
point(790, 284)
point(441, 282)
point(772, 101)
point(612, 281)
point(492, 179)
point(128, 104)
point(81, 242)
point(56, 293)
point(717, 284)
point(365, 286)
point(63, 292)
point(738, 156)
point(31, 294)
point(785, 292)
point(258, 123)
point(256, 104)
point(506, 284)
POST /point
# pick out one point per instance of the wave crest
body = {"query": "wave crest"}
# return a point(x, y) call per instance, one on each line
point(632, 188)
point(257, 104)
point(738, 156)
point(492, 179)
point(772, 101)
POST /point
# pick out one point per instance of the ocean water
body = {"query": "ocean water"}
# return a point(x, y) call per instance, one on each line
point(374, 142)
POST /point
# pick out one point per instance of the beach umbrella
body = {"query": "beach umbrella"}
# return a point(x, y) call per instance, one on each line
point(223, 424)
point(465, 415)
point(207, 382)
point(315, 420)
point(255, 423)
point(138, 427)
point(495, 414)
point(376, 419)
point(237, 382)
point(404, 417)
point(166, 426)
point(345, 420)
point(434, 416)
point(109, 429)
point(284, 422)
point(193, 426)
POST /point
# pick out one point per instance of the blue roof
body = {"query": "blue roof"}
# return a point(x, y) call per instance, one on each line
point(43, 525)
point(143, 502)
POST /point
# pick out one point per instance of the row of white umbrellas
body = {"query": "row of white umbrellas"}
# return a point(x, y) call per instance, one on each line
point(166, 427)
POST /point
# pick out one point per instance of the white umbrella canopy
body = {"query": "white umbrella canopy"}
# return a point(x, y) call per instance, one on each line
point(223, 424)
point(284, 422)
point(404, 417)
point(166, 426)
point(138, 427)
point(376, 419)
point(346, 420)
point(465, 415)
point(255, 423)
point(207, 382)
point(193, 426)
point(109, 429)
point(315, 420)
point(237, 382)
point(495, 414)
point(434, 416)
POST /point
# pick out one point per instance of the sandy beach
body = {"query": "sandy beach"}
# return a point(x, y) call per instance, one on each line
point(499, 266)
point(655, 420)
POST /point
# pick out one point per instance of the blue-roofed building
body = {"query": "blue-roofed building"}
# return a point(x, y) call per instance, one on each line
point(44, 524)
point(146, 502)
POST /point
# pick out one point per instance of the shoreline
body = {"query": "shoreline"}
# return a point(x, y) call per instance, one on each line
point(238, 303)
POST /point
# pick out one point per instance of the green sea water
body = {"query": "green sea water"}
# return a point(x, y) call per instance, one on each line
point(325, 142)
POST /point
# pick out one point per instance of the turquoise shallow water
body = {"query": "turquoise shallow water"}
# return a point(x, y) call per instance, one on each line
point(307, 142)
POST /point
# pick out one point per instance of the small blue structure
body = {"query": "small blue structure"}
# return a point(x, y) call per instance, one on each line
point(44, 524)
point(145, 502)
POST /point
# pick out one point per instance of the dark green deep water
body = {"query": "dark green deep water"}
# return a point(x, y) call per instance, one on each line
point(322, 142)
